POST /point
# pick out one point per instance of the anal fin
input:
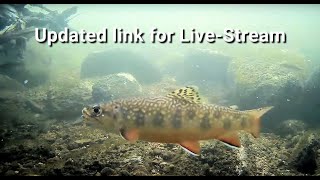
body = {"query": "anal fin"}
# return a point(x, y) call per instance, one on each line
point(192, 147)
point(231, 139)
point(131, 135)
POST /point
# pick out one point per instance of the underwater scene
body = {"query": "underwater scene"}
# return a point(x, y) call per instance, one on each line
point(159, 90)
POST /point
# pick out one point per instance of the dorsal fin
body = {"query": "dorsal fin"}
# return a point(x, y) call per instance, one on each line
point(188, 94)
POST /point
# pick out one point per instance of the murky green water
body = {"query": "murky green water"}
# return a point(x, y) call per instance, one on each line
point(44, 89)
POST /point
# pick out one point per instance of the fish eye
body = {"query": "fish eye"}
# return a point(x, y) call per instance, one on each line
point(96, 109)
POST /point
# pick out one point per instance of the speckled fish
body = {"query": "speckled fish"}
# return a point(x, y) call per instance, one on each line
point(178, 117)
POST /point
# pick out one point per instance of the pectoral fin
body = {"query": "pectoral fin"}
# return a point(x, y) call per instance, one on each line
point(231, 139)
point(192, 147)
point(131, 135)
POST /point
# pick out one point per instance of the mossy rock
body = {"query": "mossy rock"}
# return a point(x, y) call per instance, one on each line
point(201, 65)
point(310, 106)
point(63, 101)
point(276, 80)
point(115, 86)
point(9, 84)
point(118, 60)
point(291, 127)
point(305, 153)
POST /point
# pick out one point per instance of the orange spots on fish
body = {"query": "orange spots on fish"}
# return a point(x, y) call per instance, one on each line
point(178, 118)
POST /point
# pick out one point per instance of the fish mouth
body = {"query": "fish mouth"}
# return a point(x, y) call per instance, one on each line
point(88, 117)
point(85, 113)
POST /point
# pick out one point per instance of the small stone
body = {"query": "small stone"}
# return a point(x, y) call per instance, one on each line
point(155, 162)
point(72, 146)
point(83, 142)
point(124, 173)
point(14, 165)
point(28, 165)
point(167, 155)
point(69, 162)
point(156, 152)
point(107, 171)
point(10, 173)
point(169, 168)
point(54, 159)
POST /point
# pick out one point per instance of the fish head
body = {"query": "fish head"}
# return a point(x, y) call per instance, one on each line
point(102, 116)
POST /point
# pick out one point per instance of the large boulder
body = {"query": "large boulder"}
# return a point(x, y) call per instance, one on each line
point(291, 127)
point(206, 69)
point(35, 67)
point(274, 80)
point(304, 156)
point(201, 65)
point(15, 107)
point(116, 61)
point(63, 101)
point(310, 106)
point(9, 84)
point(115, 86)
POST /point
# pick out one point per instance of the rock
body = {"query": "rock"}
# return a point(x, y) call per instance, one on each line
point(14, 165)
point(124, 173)
point(29, 165)
point(44, 152)
point(309, 107)
point(257, 156)
point(115, 86)
point(63, 101)
point(291, 127)
point(83, 142)
point(169, 168)
point(96, 165)
point(116, 61)
point(69, 162)
point(50, 137)
point(204, 65)
point(107, 171)
point(12, 96)
point(156, 152)
point(8, 84)
point(206, 69)
point(167, 155)
point(53, 160)
point(304, 155)
point(33, 68)
point(10, 173)
point(72, 146)
point(274, 78)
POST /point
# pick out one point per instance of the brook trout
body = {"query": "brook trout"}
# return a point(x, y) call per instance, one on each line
point(178, 117)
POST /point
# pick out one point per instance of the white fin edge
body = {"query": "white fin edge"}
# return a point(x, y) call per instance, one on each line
point(188, 151)
point(230, 146)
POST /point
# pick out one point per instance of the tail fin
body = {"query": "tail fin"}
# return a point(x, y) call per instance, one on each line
point(255, 121)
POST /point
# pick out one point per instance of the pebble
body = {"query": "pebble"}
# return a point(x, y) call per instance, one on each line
point(10, 173)
point(124, 173)
point(107, 171)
